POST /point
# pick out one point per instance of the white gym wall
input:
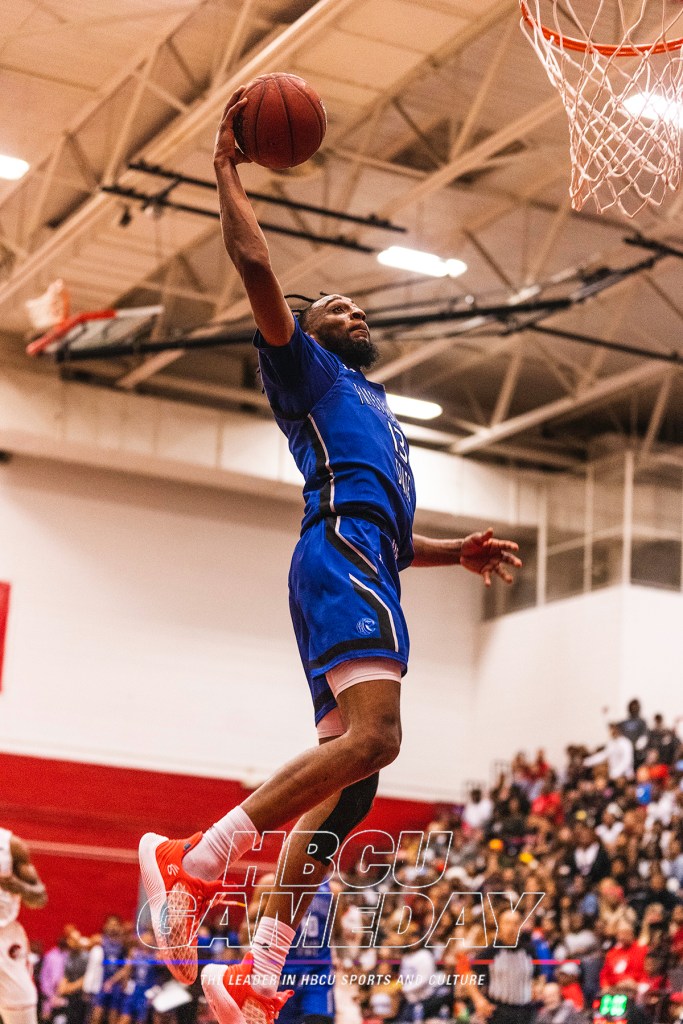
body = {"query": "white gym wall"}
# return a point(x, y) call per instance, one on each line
point(149, 627)
point(149, 619)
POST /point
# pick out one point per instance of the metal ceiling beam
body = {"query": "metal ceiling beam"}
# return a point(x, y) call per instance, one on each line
point(602, 389)
point(473, 158)
point(508, 386)
point(182, 130)
point(657, 416)
point(477, 28)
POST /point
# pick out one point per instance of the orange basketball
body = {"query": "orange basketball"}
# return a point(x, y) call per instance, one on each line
point(283, 122)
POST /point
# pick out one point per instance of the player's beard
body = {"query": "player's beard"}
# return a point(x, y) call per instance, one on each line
point(358, 353)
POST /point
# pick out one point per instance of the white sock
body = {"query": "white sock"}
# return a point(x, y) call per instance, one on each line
point(269, 948)
point(222, 845)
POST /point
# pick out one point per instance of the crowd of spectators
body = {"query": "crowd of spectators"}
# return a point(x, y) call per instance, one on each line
point(601, 838)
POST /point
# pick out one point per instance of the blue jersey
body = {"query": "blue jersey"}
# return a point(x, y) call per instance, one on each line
point(311, 946)
point(143, 968)
point(345, 440)
point(112, 952)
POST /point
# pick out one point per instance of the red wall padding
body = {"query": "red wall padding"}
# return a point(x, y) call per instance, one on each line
point(99, 806)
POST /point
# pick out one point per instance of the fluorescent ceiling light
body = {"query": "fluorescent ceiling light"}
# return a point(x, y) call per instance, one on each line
point(654, 107)
point(12, 168)
point(420, 262)
point(413, 407)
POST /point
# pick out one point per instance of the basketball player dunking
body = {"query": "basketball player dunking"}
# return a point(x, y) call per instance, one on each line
point(357, 535)
point(19, 883)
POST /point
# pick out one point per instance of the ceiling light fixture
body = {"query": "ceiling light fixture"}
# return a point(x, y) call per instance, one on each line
point(420, 262)
point(652, 106)
point(12, 168)
point(415, 408)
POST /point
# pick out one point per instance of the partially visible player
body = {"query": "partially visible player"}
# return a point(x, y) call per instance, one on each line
point(19, 883)
point(107, 999)
point(141, 975)
point(308, 969)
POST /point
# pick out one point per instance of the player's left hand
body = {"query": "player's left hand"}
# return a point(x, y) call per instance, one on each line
point(9, 883)
point(226, 149)
point(483, 554)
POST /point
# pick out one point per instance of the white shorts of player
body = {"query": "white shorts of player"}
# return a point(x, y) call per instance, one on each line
point(350, 673)
point(18, 996)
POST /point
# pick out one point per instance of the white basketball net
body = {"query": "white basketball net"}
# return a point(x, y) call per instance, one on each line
point(624, 101)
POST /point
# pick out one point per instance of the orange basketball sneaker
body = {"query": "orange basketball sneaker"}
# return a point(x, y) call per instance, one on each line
point(233, 1000)
point(177, 901)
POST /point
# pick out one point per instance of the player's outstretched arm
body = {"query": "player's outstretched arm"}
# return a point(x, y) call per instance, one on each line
point(480, 553)
point(244, 241)
point(24, 880)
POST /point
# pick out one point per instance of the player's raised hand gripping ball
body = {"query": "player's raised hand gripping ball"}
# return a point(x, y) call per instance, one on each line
point(282, 123)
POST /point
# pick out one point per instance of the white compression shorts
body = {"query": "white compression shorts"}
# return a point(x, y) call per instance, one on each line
point(350, 673)
point(18, 996)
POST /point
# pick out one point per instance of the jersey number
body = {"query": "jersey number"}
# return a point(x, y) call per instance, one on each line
point(399, 441)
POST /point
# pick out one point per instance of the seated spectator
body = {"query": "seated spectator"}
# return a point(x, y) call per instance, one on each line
point(384, 997)
point(589, 857)
point(556, 1009)
point(643, 786)
point(541, 938)
point(614, 910)
point(652, 990)
point(611, 826)
point(510, 823)
point(546, 808)
point(568, 975)
point(417, 967)
point(579, 939)
point(662, 805)
point(625, 962)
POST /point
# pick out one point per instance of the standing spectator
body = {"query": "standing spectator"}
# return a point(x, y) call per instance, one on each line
point(109, 953)
point(478, 811)
point(618, 752)
point(634, 728)
point(662, 741)
point(52, 972)
point(71, 986)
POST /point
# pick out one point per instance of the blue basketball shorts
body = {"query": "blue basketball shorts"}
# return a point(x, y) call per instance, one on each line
point(312, 998)
point(135, 1004)
point(109, 1000)
point(344, 598)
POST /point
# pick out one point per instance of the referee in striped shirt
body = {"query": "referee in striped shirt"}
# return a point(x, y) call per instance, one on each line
point(508, 969)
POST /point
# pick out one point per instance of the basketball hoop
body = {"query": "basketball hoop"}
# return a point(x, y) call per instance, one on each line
point(624, 100)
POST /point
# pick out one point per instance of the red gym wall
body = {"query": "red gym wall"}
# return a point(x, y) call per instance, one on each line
point(61, 806)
